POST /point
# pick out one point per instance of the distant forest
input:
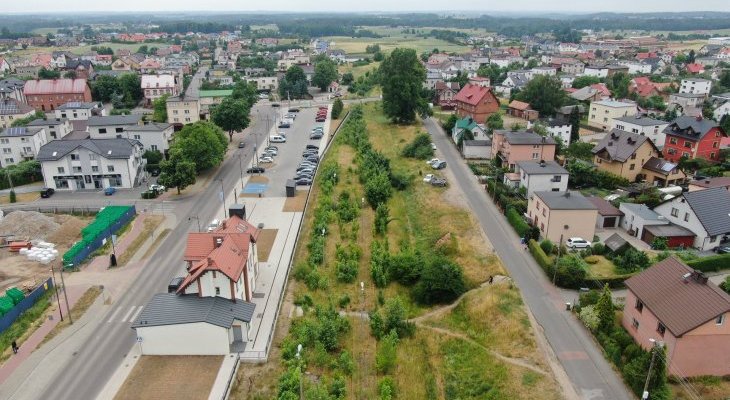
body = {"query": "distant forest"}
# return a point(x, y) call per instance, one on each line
point(308, 25)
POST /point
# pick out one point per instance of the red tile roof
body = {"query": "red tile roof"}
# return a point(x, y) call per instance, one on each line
point(681, 304)
point(601, 87)
point(54, 86)
point(695, 68)
point(472, 94)
point(519, 105)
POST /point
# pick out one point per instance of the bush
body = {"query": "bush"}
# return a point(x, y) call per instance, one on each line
point(631, 260)
point(386, 389)
point(344, 301)
point(345, 363)
point(589, 298)
point(598, 249)
point(592, 259)
point(420, 148)
point(337, 108)
point(393, 318)
point(726, 285)
point(385, 357)
point(539, 255)
point(571, 272)
point(589, 317)
point(711, 263)
point(405, 267)
point(660, 243)
point(346, 270)
point(547, 246)
point(517, 222)
point(441, 282)
point(381, 219)
point(13, 197)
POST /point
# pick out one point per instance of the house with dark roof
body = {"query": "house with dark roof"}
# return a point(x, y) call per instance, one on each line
point(645, 126)
point(20, 144)
point(512, 147)
point(673, 304)
point(91, 164)
point(623, 153)
point(562, 215)
point(477, 102)
point(704, 212)
point(707, 183)
point(12, 110)
point(80, 111)
point(608, 215)
point(112, 126)
point(445, 92)
point(693, 137)
point(539, 176)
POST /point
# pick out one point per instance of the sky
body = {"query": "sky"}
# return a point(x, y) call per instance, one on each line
point(573, 6)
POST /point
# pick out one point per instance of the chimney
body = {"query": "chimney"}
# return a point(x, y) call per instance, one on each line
point(542, 163)
point(210, 261)
point(223, 224)
point(699, 118)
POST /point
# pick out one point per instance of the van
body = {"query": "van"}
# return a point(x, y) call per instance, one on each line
point(277, 139)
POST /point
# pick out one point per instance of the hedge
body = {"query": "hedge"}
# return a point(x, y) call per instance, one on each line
point(711, 263)
point(517, 222)
point(613, 282)
point(545, 262)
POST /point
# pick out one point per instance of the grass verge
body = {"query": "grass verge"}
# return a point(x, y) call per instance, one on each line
point(20, 197)
point(77, 311)
point(158, 239)
point(151, 222)
point(24, 326)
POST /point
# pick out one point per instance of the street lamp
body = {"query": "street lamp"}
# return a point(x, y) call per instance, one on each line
point(55, 285)
point(301, 378)
point(223, 197)
point(196, 218)
point(240, 165)
point(65, 295)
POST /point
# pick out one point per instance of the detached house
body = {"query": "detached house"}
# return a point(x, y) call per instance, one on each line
point(562, 215)
point(519, 109)
point(20, 144)
point(603, 112)
point(645, 126)
point(538, 176)
point(445, 92)
point(477, 102)
point(512, 147)
point(672, 303)
point(693, 137)
point(704, 212)
point(12, 110)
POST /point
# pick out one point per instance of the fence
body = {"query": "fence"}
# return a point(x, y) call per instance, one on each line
point(7, 320)
point(78, 253)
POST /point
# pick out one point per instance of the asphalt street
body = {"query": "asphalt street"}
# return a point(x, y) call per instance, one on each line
point(95, 361)
point(589, 372)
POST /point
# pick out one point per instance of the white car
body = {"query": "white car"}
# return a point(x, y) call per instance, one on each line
point(428, 178)
point(433, 146)
point(157, 187)
point(433, 161)
point(577, 243)
point(266, 160)
point(213, 225)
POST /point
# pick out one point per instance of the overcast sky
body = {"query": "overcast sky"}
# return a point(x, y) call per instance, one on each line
point(371, 5)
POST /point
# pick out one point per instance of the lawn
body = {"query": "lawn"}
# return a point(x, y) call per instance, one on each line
point(171, 377)
point(356, 46)
point(485, 350)
point(602, 268)
point(85, 49)
point(20, 197)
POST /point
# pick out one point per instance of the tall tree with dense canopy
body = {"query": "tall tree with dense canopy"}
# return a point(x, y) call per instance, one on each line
point(325, 72)
point(203, 143)
point(294, 84)
point(177, 172)
point(231, 115)
point(245, 91)
point(159, 107)
point(544, 93)
point(402, 77)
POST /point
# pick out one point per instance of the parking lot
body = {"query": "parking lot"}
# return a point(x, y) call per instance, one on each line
point(289, 154)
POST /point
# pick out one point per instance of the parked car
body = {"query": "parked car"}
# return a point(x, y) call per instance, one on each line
point(275, 105)
point(155, 172)
point(110, 191)
point(291, 116)
point(47, 192)
point(266, 160)
point(256, 170)
point(175, 284)
point(315, 136)
point(433, 160)
point(439, 165)
point(157, 188)
point(271, 151)
point(271, 147)
point(722, 249)
point(303, 181)
point(577, 243)
point(277, 139)
point(438, 182)
point(241, 145)
point(303, 176)
point(263, 96)
point(213, 225)
point(433, 146)
point(284, 125)
point(293, 110)
point(312, 146)
point(428, 178)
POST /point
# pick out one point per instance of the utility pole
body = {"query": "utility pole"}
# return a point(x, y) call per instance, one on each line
point(223, 197)
point(65, 295)
point(240, 165)
point(555, 267)
point(655, 346)
point(55, 285)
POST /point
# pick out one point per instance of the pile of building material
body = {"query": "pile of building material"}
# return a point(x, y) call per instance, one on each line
point(28, 224)
point(41, 251)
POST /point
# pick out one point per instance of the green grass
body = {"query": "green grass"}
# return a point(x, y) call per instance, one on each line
point(28, 322)
point(85, 49)
point(604, 268)
point(356, 46)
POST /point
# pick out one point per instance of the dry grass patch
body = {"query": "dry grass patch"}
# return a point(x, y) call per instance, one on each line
point(265, 242)
point(296, 203)
point(20, 197)
point(150, 223)
point(171, 377)
point(77, 311)
point(708, 388)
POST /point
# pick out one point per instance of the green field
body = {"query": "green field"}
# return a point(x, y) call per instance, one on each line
point(85, 49)
point(267, 27)
point(356, 46)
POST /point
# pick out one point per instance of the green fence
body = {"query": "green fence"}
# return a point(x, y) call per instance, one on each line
point(107, 221)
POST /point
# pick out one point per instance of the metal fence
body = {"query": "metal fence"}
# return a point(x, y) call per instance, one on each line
point(100, 240)
point(7, 320)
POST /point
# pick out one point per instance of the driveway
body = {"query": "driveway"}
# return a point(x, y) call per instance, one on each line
point(590, 374)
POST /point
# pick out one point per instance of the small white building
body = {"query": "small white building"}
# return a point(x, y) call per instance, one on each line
point(91, 163)
point(558, 127)
point(644, 126)
point(12, 110)
point(542, 176)
point(721, 111)
point(80, 111)
point(55, 128)
point(603, 112)
point(190, 325)
point(704, 212)
point(597, 71)
point(695, 86)
point(20, 144)
point(638, 216)
point(153, 135)
point(112, 126)
point(183, 110)
point(636, 67)
point(267, 83)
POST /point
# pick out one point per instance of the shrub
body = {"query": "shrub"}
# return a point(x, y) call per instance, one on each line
point(726, 285)
point(405, 267)
point(386, 389)
point(589, 298)
point(711, 263)
point(393, 318)
point(346, 270)
point(539, 255)
point(592, 259)
point(344, 301)
point(547, 246)
point(345, 363)
point(631, 260)
point(385, 357)
point(337, 107)
point(378, 189)
point(13, 197)
point(381, 219)
point(517, 222)
point(589, 317)
point(441, 282)
point(660, 243)
point(571, 271)
point(598, 249)
point(420, 148)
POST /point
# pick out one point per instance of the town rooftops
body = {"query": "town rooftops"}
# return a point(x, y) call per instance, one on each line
point(688, 127)
point(720, 181)
point(605, 208)
point(712, 207)
point(47, 122)
point(642, 211)
point(477, 142)
point(172, 309)
point(472, 94)
point(54, 86)
point(519, 105)
point(75, 105)
point(541, 168)
point(14, 107)
point(569, 200)
point(150, 127)
point(660, 165)
point(108, 148)
point(681, 298)
point(613, 103)
point(108, 120)
point(619, 145)
point(519, 138)
point(641, 120)
point(20, 131)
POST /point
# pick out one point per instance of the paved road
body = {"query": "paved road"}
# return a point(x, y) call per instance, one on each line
point(192, 92)
point(95, 361)
point(590, 374)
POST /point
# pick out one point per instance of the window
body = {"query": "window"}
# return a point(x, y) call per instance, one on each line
point(94, 168)
point(660, 328)
point(217, 291)
point(138, 137)
point(74, 157)
point(214, 275)
point(535, 156)
point(9, 161)
point(633, 156)
point(631, 167)
point(557, 178)
point(712, 155)
point(686, 217)
point(688, 144)
point(635, 323)
point(110, 168)
point(102, 130)
point(4, 141)
point(76, 169)
point(7, 150)
point(715, 144)
point(720, 319)
point(675, 212)
point(639, 305)
point(92, 156)
point(61, 170)
point(673, 140)
point(153, 147)
point(119, 130)
point(544, 212)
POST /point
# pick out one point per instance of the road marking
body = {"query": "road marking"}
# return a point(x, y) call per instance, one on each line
point(136, 314)
point(131, 310)
point(114, 314)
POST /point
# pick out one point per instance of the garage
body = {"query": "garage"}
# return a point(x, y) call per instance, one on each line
point(609, 222)
point(608, 215)
point(676, 235)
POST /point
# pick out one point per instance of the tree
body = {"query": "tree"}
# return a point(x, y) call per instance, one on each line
point(70, 75)
point(143, 49)
point(325, 72)
point(347, 78)
point(385, 357)
point(544, 93)
point(337, 108)
point(153, 157)
point(12, 197)
point(441, 282)
point(618, 84)
point(177, 172)
point(574, 120)
point(604, 309)
point(202, 143)
point(495, 122)
point(691, 57)
point(402, 77)
point(44, 73)
point(245, 91)
point(372, 49)
point(450, 124)
point(580, 150)
point(585, 80)
point(159, 107)
point(294, 84)
point(378, 56)
point(231, 115)
point(378, 189)
point(567, 35)
point(570, 271)
point(130, 86)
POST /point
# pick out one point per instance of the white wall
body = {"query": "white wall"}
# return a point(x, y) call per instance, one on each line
point(695, 86)
point(542, 183)
point(561, 131)
point(152, 139)
point(598, 72)
point(74, 114)
point(721, 111)
point(630, 221)
point(125, 168)
point(653, 132)
point(184, 339)
point(702, 241)
point(20, 148)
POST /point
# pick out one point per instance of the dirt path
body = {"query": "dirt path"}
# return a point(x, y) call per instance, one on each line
point(442, 310)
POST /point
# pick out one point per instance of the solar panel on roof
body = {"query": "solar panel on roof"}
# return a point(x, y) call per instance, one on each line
point(17, 131)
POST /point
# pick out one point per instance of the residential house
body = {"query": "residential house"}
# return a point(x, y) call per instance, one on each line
point(80, 111)
point(480, 81)
point(156, 86)
point(49, 94)
point(562, 215)
point(695, 68)
point(153, 136)
point(672, 304)
point(12, 88)
point(512, 147)
point(82, 69)
point(587, 93)
point(55, 128)
point(432, 77)
point(635, 67)
point(264, 83)
point(644, 126)
point(638, 217)
point(599, 71)
point(112, 126)
point(149, 66)
point(608, 215)
point(445, 92)
point(477, 102)
point(12, 110)
point(556, 127)
point(540, 176)
point(692, 138)
point(467, 123)
point(572, 67)
point(519, 109)
point(603, 112)
point(644, 87)
point(686, 103)
point(182, 110)
point(707, 183)
point(695, 86)
point(91, 163)
point(20, 144)
point(4, 66)
point(477, 149)
point(704, 212)
point(211, 98)
point(125, 64)
point(721, 111)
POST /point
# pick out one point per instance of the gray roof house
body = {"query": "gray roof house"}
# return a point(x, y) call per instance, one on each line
point(619, 145)
point(172, 324)
point(704, 212)
point(112, 126)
